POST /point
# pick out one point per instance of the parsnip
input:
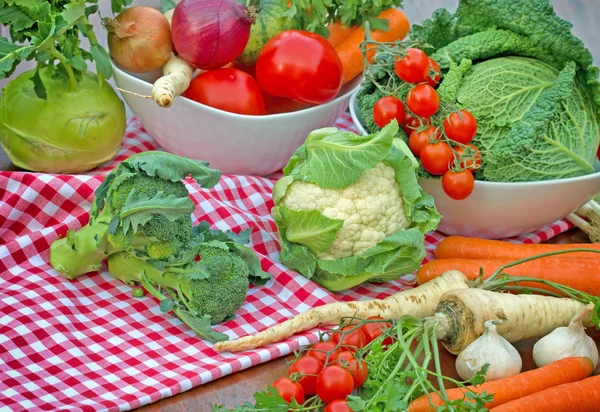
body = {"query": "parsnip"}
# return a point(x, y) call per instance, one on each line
point(461, 314)
point(177, 75)
point(419, 302)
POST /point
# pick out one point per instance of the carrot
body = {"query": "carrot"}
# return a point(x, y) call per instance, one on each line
point(518, 386)
point(349, 50)
point(339, 32)
point(461, 314)
point(582, 274)
point(474, 248)
point(418, 302)
point(581, 396)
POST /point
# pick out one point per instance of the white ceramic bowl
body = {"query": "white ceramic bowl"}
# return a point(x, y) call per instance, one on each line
point(233, 143)
point(500, 210)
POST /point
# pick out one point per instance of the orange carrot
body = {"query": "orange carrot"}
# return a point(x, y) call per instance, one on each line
point(582, 274)
point(517, 386)
point(339, 32)
point(474, 248)
point(349, 49)
point(582, 396)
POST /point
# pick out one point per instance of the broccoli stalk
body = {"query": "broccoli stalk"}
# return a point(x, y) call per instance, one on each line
point(203, 292)
point(143, 208)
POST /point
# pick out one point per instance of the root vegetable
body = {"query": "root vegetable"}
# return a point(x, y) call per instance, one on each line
point(579, 273)
point(587, 218)
point(515, 387)
point(581, 396)
point(139, 39)
point(461, 314)
point(475, 248)
point(419, 302)
point(177, 76)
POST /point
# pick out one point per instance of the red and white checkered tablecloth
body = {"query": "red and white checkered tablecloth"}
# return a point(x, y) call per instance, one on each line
point(88, 344)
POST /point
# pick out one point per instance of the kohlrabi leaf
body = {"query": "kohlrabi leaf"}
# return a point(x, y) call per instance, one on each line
point(168, 166)
point(11, 55)
point(554, 139)
point(138, 210)
point(336, 159)
point(310, 228)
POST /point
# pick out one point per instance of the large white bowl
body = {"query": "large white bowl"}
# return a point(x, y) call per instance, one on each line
point(500, 210)
point(233, 143)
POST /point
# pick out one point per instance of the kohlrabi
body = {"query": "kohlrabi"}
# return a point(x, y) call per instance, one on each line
point(58, 117)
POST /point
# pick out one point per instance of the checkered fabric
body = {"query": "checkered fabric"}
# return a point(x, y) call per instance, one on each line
point(88, 344)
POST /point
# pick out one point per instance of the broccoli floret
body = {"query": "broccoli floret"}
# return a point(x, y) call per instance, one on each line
point(142, 207)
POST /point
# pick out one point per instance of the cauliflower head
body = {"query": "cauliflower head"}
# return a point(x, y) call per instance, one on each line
point(371, 208)
point(349, 209)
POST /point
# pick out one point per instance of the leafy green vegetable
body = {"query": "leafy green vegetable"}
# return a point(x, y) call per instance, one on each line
point(314, 15)
point(350, 209)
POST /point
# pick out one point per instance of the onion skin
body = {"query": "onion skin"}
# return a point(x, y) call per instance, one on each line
point(139, 39)
point(210, 33)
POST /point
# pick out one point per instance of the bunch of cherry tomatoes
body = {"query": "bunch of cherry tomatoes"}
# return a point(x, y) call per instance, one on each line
point(443, 151)
point(332, 369)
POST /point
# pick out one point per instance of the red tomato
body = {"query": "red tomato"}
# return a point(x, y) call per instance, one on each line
point(338, 406)
point(301, 66)
point(387, 109)
point(310, 368)
point(458, 185)
point(419, 139)
point(411, 123)
point(423, 100)
point(435, 80)
point(414, 67)
point(470, 160)
point(351, 341)
point(333, 383)
point(230, 90)
point(288, 389)
point(373, 330)
point(436, 158)
point(359, 371)
point(598, 153)
point(461, 128)
point(320, 350)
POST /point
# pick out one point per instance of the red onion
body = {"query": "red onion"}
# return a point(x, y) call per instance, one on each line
point(211, 33)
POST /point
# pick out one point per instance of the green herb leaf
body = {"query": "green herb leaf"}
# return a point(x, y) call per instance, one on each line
point(118, 5)
point(166, 5)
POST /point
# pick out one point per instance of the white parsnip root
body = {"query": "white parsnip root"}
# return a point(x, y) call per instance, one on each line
point(419, 302)
point(177, 75)
point(587, 218)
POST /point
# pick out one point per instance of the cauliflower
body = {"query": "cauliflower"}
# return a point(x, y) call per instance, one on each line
point(371, 209)
point(349, 209)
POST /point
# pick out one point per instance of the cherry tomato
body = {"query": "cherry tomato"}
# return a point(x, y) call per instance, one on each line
point(288, 389)
point(414, 67)
point(470, 160)
point(419, 139)
point(461, 128)
point(458, 185)
point(436, 158)
point(423, 100)
point(373, 330)
point(310, 367)
point(435, 80)
point(320, 349)
point(301, 66)
point(338, 406)
point(333, 383)
point(348, 361)
point(411, 123)
point(352, 340)
point(230, 90)
point(387, 109)
point(598, 153)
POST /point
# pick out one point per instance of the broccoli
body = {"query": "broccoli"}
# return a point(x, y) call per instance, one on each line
point(142, 207)
point(205, 291)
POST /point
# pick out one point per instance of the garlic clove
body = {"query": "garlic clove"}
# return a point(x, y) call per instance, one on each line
point(566, 342)
point(492, 349)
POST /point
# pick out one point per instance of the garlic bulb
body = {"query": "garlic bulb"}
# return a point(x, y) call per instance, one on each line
point(566, 342)
point(503, 359)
